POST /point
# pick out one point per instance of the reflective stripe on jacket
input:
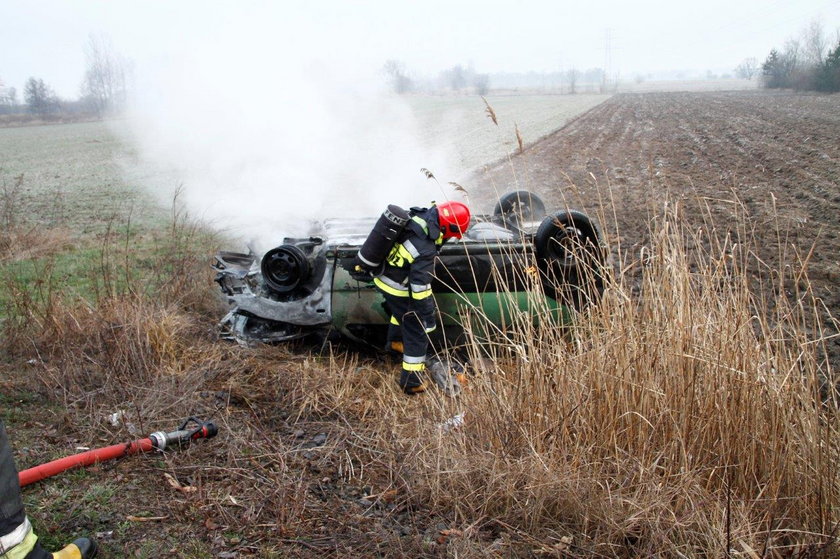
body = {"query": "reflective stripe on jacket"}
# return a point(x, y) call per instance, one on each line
point(409, 267)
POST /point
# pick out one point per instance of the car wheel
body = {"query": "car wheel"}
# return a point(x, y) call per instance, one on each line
point(284, 268)
point(570, 256)
point(519, 206)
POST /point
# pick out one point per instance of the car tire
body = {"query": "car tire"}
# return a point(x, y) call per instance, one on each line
point(571, 257)
point(518, 207)
point(284, 268)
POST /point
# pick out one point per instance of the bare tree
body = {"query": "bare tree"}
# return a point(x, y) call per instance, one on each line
point(39, 97)
point(747, 69)
point(455, 77)
point(815, 44)
point(105, 81)
point(572, 76)
point(792, 54)
point(481, 82)
point(399, 81)
point(8, 99)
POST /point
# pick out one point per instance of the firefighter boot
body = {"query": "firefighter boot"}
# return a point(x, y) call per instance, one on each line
point(81, 548)
point(411, 383)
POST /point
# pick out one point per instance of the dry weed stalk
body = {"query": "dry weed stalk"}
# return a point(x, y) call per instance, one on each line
point(491, 114)
point(11, 200)
point(135, 325)
point(681, 422)
point(458, 188)
point(519, 140)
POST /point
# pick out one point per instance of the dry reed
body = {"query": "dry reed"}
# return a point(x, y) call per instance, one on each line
point(680, 416)
point(681, 422)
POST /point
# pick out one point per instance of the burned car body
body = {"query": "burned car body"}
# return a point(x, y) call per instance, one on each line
point(309, 285)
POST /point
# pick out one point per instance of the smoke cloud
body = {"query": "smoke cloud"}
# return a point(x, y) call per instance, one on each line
point(266, 128)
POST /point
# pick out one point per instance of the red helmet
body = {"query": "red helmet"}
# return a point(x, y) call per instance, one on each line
point(454, 218)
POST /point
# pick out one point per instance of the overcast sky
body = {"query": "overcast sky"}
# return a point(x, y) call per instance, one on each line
point(45, 38)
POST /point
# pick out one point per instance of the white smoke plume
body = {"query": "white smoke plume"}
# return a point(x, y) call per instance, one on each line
point(267, 127)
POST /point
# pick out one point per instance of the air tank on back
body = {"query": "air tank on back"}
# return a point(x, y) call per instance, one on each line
point(375, 249)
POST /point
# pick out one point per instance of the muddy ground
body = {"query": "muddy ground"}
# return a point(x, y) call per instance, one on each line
point(767, 161)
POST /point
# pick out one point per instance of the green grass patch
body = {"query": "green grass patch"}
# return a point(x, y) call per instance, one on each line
point(16, 405)
point(70, 502)
point(73, 177)
point(124, 261)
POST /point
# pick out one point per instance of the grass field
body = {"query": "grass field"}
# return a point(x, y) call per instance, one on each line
point(72, 177)
point(74, 227)
point(463, 124)
point(77, 184)
point(86, 178)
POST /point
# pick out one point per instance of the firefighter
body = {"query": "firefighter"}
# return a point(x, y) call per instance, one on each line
point(17, 539)
point(406, 282)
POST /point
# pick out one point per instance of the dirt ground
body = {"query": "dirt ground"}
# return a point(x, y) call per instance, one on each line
point(280, 484)
point(769, 160)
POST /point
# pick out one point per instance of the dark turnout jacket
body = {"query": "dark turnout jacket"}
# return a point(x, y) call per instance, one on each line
point(410, 264)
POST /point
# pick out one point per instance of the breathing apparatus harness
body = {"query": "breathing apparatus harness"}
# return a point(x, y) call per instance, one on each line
point(370, 260)
point(452, 218)
point(373, 255)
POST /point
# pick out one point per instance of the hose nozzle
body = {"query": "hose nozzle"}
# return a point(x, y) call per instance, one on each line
point(183, 436)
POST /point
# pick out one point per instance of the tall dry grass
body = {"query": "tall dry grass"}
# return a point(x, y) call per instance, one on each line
point(687, 420)
point(136, 322)
point(681, 416)
point(684, 415)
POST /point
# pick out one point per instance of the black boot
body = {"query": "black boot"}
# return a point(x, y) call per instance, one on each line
point(81, 548)
point(411, 383)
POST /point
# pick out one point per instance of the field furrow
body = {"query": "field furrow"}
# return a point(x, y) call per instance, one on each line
point(775, 154)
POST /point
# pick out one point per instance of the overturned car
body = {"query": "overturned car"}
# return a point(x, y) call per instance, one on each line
point(311, 285)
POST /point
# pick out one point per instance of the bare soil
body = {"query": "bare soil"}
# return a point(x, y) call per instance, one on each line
point(766, 160)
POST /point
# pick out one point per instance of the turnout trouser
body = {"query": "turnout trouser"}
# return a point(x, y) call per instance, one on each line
point(11, 506)
point(16, 537)
point(405, 321)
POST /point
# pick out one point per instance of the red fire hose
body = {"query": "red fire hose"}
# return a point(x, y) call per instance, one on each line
point(156, 441)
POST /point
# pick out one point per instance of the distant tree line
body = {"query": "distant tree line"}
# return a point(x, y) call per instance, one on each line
point(570, 81)
point(103, 89)
point(8, 99)
point(809, 62)
point(465, 79)
point(456, 78)
point(747, 69)
point(39, 97)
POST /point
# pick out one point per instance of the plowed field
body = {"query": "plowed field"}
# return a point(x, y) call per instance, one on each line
point(769, 160)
